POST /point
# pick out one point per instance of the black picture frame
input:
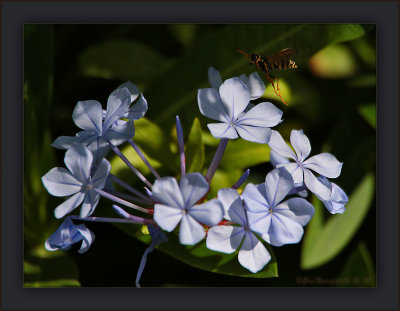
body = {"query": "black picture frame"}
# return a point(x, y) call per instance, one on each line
point(15, 13)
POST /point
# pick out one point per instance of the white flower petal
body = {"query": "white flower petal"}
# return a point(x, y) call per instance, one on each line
point(190, 231)
point(295, 170)
point(233, 206)
point(224, 239)
point(210, 105)
point(193, 187)
point(88, 115)
point(209, 213)
point(255, 84)
point(262, 115)
point(167, 217)
point(278, 183)
point(300, 144)
point(235, 97)
point(277, 144)
point(338, 198)
point(253, 255)
point(121, 133)
point(222, 130)
point(259, 221)
point(79, 161)
point(254, 134)
point(214, 78)
point(325, 164)
point(315, 186)
point(87, 238)
point(100, 176)
point(297, 209)
point(99, 147)
point(276, 159)
point(166, 191)
point(89, 203)
point(138, 109)
point(69, 205)
point(132, 88)
point(117, 105)
point(59, 182)
point(255, 198)
point(284, 230)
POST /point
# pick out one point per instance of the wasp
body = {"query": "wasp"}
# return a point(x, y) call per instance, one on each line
point(281, 60)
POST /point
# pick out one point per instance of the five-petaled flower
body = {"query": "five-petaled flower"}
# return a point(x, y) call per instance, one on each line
point(324, 164)
point(228, 238)
point(68, 234)
point(278, 223)
point(78, 183)
point(177, 204)
point(228, 105)
point(100, 128)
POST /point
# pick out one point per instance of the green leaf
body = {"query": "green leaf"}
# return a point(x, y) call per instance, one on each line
point(218, 49)
point(359, 270)
point(153, 140)
point(123, 60)
point(338, 231)
point(42, 269)
point(195, 148)
point(242, 154)
point(201, 257)
point(369, 114)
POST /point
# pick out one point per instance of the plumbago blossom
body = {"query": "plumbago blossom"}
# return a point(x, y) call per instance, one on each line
point(243, 222)
point(301, 169)
point(102, 128)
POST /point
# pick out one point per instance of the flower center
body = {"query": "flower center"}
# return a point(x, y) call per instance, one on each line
point(87, 187)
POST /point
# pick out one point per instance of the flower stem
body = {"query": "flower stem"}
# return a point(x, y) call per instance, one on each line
point(242, 179)
point(126, 215)
point(141, 155)
point(121, 201)
point(130, 165)
point(129, 188)
point(216, 159)
point(115, 220)
point(181, 146)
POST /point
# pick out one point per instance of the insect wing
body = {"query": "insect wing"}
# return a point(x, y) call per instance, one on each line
point(282, 55)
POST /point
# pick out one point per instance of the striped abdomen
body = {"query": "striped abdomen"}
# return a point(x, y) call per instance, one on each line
point(281, 64)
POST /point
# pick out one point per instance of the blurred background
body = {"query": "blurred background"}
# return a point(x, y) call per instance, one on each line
point(331, 96)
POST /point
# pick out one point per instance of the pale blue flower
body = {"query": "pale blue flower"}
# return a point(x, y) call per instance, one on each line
point(278, 223)
point(177, 204)
point(254, 82)
point(228, 238)
point(301, 169)
point(227, 105)
point(77, 182)
point(68, 234)
point(100, 128)
point(338, 198)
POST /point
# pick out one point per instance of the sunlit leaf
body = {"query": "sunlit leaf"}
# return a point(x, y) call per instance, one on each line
point(338, 231)
point(195, 148)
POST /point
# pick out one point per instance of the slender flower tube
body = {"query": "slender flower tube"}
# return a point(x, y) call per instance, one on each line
point(145, 161)
point(181, 146)
point(216, 159)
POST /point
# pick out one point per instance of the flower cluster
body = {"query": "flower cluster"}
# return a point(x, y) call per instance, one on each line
point(273, 212)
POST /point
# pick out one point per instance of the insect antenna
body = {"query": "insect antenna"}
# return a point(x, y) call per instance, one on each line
point(240, 51)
